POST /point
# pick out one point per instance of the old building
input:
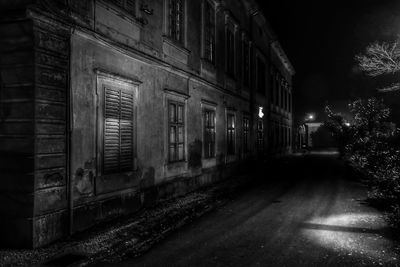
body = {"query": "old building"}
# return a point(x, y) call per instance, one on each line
point(108, 106)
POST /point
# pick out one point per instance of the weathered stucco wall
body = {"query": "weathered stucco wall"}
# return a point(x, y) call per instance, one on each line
point(158, 83)
point(52, 75)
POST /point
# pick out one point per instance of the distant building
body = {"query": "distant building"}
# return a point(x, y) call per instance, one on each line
point(311, 128)
point(314, 135)
point(108, 106)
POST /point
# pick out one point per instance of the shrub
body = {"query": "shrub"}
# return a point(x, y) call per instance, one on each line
point(373, 144)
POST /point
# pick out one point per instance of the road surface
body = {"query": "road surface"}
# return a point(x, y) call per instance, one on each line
point(302, 211)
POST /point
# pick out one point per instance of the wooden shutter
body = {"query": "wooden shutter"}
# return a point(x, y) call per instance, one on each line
point(126, 122)
point(118, 131)
point(111, 130)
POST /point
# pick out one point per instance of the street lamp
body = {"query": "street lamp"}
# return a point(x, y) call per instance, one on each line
point(310, 117)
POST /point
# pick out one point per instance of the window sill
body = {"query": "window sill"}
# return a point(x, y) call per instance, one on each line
point(175, 52)
point(125, 14)
point(176, 164)
point(175, 44)
point(209, 162)
point(118, 174)
point(230, 158)
point(208, 63)
point(230, 82)
point(208, 68)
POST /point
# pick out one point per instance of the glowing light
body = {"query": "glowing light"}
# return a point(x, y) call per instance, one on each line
point(310, 117)
point(347, 124)
point(353, 234)
point(260, 112)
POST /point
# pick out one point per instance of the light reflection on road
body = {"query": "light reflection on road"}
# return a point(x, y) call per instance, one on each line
point(361, 235)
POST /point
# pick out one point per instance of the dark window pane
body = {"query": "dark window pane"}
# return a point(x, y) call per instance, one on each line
point(181, 152)
point(180, 114)
point(180, 135)
point(172, 135)
point(172, 153)
point(176, 13)
point(176, 137)
point(231, 134)
point(260, 76)
point(209, 131)
point(172, 113)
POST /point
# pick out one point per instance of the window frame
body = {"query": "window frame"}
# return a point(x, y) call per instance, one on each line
point(105, 106)
point(246, 58)
point(231, 27)
point(260, 135)
point(211, 145)
point(230, 133)
point(230, 52)
point(171, 30)
point(211, 30)
point(277, 88)
point(177, 124)
point(246, 134)
point(107, 79)
point(259, 60)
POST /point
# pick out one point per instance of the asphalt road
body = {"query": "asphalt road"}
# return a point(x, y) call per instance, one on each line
point(302, 211)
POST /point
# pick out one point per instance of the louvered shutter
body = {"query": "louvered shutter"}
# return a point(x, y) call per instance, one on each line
point(118, 131)
point(126, 150)
point(111, 130)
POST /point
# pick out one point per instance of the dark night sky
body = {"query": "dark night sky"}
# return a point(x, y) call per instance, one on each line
point(321, 39)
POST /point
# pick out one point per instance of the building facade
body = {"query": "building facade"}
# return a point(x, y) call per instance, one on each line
point(110, 106)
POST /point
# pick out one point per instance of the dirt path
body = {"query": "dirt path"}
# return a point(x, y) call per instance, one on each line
point(300, 212)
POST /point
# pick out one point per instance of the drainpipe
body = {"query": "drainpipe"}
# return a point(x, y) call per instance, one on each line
point(69, 136)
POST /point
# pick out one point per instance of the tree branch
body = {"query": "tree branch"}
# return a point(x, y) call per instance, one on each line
point(391, 88)
point(380, 58)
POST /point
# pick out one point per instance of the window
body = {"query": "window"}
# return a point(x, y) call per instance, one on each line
point(118, 130)
point(282, 88)
point(260, 76)
point(260, 135)
point(176, 133)
point(128, 5)
point(246, 62)
point(286, 98)
point(272, 135)
point(209, 133)
point(246, 134)
point(276, 88)
point(176, 20)
point(284, 136)
point(287, 136)
point(280, 136)
point(272, 85)
point(230, 52)
point(230, 128)
point(209, 32)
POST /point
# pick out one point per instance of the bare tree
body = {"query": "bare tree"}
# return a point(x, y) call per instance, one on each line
point(380, 59)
